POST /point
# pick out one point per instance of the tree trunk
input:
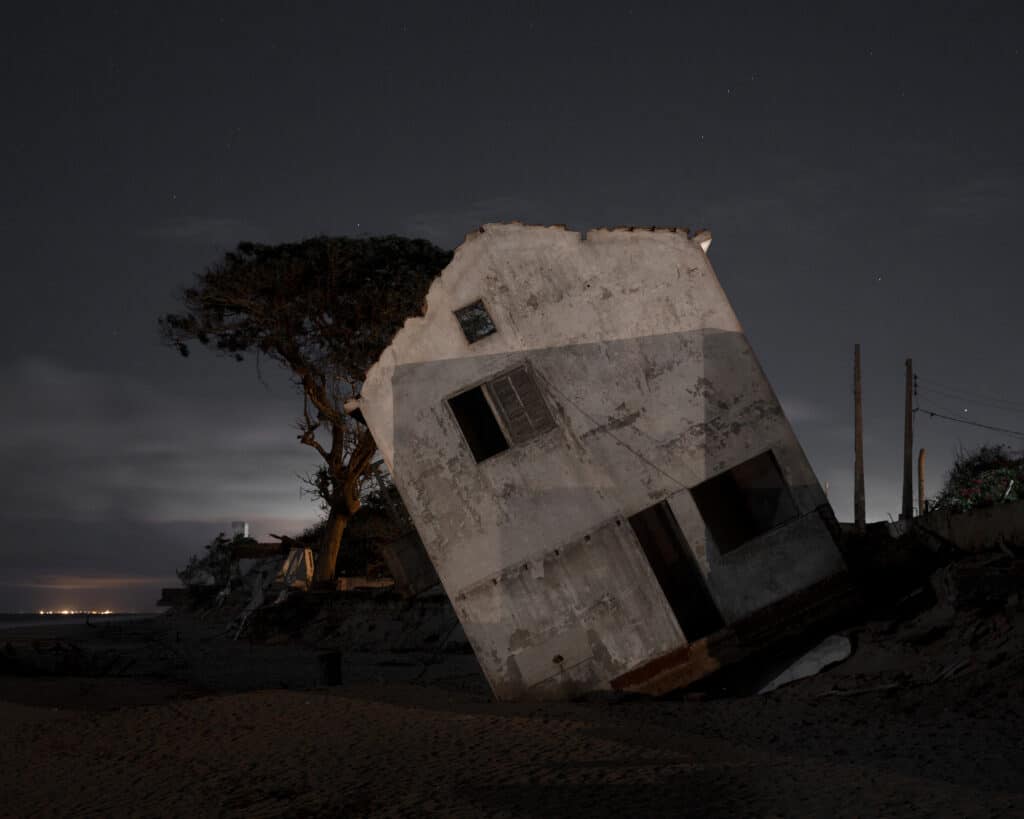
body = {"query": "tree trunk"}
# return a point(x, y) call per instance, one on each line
point(344, 499)
point(327, 560)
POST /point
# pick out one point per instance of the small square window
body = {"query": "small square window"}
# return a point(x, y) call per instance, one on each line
point(475, 321)
point(745, 502)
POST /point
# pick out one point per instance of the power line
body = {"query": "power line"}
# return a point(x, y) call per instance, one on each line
point(959, 392)
point(1009, 406)
point(969, 423)
point(957, 404)
point(939, 404)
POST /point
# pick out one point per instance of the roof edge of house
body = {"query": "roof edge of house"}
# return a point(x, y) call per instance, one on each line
point(584, 235)
point(701, 237)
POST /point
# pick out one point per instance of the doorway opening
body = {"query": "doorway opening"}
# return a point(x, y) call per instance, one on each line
point(677, 571)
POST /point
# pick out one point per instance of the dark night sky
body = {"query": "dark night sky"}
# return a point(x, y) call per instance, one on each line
point(861, 173)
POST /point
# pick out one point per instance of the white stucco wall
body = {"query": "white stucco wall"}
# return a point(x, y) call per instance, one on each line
point(653, 388)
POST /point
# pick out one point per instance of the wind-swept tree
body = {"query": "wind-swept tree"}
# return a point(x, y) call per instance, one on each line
point(324, 308)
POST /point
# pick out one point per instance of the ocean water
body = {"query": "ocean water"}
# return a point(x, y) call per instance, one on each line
point(28, 618)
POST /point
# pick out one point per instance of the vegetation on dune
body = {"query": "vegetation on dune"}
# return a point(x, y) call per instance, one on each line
point(986, 476)
point(213, 567)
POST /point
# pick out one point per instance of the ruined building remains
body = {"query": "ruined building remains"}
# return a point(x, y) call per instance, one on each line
point(597, 466)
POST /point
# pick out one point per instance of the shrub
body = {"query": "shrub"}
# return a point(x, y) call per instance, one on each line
point(989, 475)
point(214, 567)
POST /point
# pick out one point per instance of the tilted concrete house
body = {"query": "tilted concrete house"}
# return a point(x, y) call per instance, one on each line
point(595, 461)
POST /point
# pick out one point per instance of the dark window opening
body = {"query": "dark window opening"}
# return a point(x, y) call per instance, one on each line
point(677, 571)
point(483, 434)
point(521, 404)
point(745, 501)
point(475, 321)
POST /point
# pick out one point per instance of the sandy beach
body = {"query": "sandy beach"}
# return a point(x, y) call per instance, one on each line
point(418, 734)
point(401, 751)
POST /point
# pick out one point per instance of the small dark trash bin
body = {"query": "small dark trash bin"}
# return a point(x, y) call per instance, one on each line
point(330, 667)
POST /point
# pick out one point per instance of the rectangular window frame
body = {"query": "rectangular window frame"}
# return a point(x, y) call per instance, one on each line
point(745, 517)
point(513, 437)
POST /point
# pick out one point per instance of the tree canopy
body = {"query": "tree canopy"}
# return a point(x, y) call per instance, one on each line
point(333, 301)
point(324, 308)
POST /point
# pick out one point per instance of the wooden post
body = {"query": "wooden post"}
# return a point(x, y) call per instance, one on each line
point(908, 445)
point(922, 503)
point(858, 447)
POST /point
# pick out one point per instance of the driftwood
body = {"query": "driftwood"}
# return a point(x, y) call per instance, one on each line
point(849, 692)
point(952, 670)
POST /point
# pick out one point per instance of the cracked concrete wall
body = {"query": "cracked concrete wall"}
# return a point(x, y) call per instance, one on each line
point(653, 388)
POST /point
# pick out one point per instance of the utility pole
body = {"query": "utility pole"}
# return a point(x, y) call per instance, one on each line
point(922, 503)
point(858, 447)
point(908, 445)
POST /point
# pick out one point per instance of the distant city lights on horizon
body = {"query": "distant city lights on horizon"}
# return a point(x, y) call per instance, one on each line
point(75, 611)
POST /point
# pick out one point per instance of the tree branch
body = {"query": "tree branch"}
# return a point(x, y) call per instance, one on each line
point(358, 464)
point(308, 436)
point(318, 395)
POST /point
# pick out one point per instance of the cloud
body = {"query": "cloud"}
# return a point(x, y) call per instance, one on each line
point(111, 480)
point(79, 583)
point(91, 445)
point(109, 564)
point(976, 199)
point(207, 231)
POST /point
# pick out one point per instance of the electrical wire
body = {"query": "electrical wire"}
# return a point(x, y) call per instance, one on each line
point(969, 423)
point(1006, 406)
point(941, 404)
point(959, 392)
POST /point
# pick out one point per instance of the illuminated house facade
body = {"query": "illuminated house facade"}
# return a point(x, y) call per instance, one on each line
point(594, 459)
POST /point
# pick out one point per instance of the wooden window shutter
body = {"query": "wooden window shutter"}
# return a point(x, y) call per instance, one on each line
point(521, 404)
